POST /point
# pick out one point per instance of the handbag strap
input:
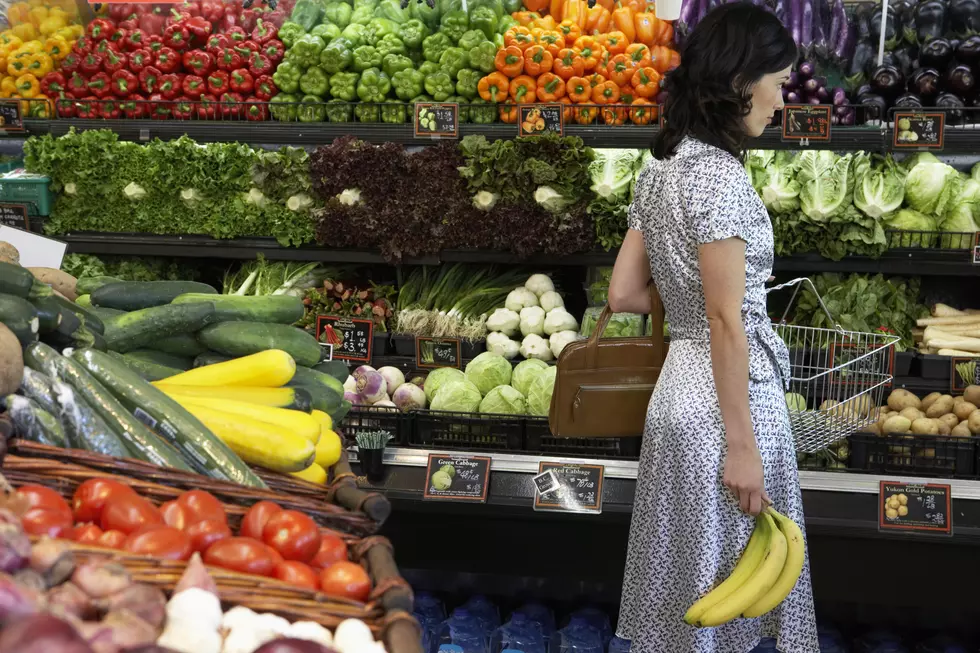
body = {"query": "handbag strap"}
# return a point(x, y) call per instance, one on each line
point(656, 317)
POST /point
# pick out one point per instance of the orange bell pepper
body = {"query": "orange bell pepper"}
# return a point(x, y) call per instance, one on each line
point(578, 89)
point(537, 61)
point(568, 113)
point(551, 87)
point(663, 59)
point(519, 37)
point(494, 87)
point(637, 6)
point(536, 5)
point(509, 61)
point(613, 42)
point(608, 4)
point(605, 93)
point(570, 30)
point(569, 64)
point(614, 115)
point(595, 79)
point(620, 69)
point(577, 11)
point(645, 28)
point(545, 22)
point(552, 41)
point(585, 114)
point(627, 94)
point(639, 53)
point(598, 20)
point(523, 89)
point(622, 20)
point(509, 113)
point(665, 33)
point(643, 112)
point(557, 8)
point(590, 50)
point(646, 81)
point(525, 18)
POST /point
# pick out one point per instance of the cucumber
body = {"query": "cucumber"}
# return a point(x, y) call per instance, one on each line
point(201, 448)
point(143, 327)
point(281, 309)
point(34, 423)
point(244, 338)
point(146, 369)
point(20, 316)
point(210, 358)
point(336, 368)
point(323, 398)
point(92, 321)
point(48, 313)
point(308, 375)
point(140, 441)
point(36, 385)
point(184, 345)
point(85, 428)
point(84, 300)
point(136, 295)
point(19, 282)
point(179, 363)
point(88, 285)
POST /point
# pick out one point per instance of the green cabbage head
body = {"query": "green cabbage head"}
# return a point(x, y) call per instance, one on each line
point(795, 402)
point(439, 377)
point(448, 469)
point(963, 213)
point(459, 396)
point(488, 370)
point(931, 186)
point(881, 189)
point(441, 480)
point(539, 396)
point(504, 400)
point(525, 373)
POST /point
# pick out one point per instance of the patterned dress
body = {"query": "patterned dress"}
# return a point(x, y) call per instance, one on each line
point(687, 530)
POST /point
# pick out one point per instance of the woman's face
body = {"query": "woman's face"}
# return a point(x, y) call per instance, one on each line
point(766, 99)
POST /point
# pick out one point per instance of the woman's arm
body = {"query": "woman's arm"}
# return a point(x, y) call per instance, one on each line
point(628, 286)
point(723, 279)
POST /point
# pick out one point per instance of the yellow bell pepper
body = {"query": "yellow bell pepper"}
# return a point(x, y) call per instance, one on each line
point(8, 87)
point(19, 13)
point(56, 48)
point(39, 64)
point(30, 47)
point(40, 106)
point(79, 30)
point(24, 31)
point(9, 42)
point(28, 86)
point(17, 66)
point(37, 3)
point(66, 33)
point(38, 15)
point(51, 24)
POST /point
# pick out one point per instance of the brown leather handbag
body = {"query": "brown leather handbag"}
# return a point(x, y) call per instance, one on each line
point(603, 385)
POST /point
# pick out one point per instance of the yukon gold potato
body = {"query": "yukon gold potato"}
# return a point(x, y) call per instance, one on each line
point(929, 398)
point(891, 513)
point(925, 426)
point(903, 510)
point(940, 407)
point(827, 404)
point(944, 428)
point(901, 398)
point(928, 452)
point(903, 500)
point(973, 421)
point(963, 409)
point(912, 414)
point(972, 394)
point(896, 424)
point(961, 430)
point(874, 428)
point(958, 400)
point(950, 420)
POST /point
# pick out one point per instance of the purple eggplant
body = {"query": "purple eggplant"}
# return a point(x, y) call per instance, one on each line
point(811, 85)
point(863, 59)
point(821, 27)
point(960, 80)
point(807, 69)
point(968, 51)
point(839, 96)
point(954, 107)
point(844, 49)
point(893, 27)
point(794, 12)
point(908, 101)
point(841, 110)
point(793, 82)
point(924, 83)
point(937, 53)
point(834, 27)
point(930, 20)
point(964, 16)
point(781, 12)
point(793, 97)
point(877, 106)
point(814, 100)
point(823, 94)
point(887, 80)
point(849, 118)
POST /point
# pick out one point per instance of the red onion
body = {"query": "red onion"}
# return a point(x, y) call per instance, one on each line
point(42, 634)
point(102, 578)
point(53, 559)
point(293, 645)
point(68, 600)
point(196, 575)
point(16, 600)
point(146, 602)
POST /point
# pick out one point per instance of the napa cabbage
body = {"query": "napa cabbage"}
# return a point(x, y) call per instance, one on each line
point(880, 189)
point(612, 172)
point(824, 179)
point(779, 187)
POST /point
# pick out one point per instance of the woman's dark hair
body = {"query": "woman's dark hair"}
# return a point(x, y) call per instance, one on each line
point(708, 95)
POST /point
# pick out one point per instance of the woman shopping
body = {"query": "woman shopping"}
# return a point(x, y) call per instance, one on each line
point(717, 445)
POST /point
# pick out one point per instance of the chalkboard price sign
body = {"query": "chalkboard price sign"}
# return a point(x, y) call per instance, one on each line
point(809, 122)
point(915, 508)
point(436, 120)
point(10, 118)
point(564, 487)
point(15, 215)
point(351, 337)
point(537, 119)
point(437, 352)
point(457, 478)
point(918, 130)
point(976, 248)
point(963, 371)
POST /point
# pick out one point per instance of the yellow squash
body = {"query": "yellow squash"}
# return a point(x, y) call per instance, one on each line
point(328, 449)
point(314, 474)
point(292, 421)
point(326, 422)
point(267, 369)
point(277, 397)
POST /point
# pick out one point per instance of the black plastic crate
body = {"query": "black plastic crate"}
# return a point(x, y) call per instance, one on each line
point(451, 430)
point(933, 366)
point(403, 344)
point(914, 454)
point(538, 439)
point(903, 363)
point(379, 344)
point(364, 419)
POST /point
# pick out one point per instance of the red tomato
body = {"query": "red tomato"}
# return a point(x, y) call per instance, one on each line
point(293, 534)
point(346, 579)
point(255, 519)
point(296, 573)
point(90, 497)
point(161, 542)
point(242, 554)
point(52, 523)
point(174, 515)
point(85, 533)
point(43, 498)
point(206, 532)
point(275, 555)
point(128, 513)
point(112, 539)
point(332, 549)
point(199, 505)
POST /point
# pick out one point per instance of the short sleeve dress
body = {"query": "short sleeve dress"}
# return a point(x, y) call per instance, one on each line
point(687, 530)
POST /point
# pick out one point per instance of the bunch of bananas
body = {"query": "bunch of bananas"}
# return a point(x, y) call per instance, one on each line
point(765, 574)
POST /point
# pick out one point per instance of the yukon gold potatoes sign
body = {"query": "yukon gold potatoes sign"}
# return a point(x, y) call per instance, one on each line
point(914, 507)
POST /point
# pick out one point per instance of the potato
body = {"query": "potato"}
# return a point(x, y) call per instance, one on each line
point(958, 400)
point(912, 414)
point(874, 428)
point(896, 424)
point(950, 420)
point(11, 362)
point(9, 253)
point(943, 427)
point(961, 430)
point(62, 282)
point(940, 407)
point(963, 409)
point(929, 398)
point(827, 404)
point(973, 421)
point(925, 426)
point(861, 406)
point(900, 399)
point(972, 394)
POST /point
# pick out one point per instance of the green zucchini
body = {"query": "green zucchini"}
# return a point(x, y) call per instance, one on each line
point(106, 314)
point(88, 285)
point(245, 338)
point(18, 281)
point(146, 369)
point(143, 327)
point(136, 295)
point(202, 449)
point(308, 375)
point(184, 345)
point(179, 363)
point(280, 309)
point(336, 368)
point(20, 316)
point(210, 358)
point(34, 423)
point(64, 334)
point(140, 441)
point(48, 313)
point(323, 398)
point(84, 427)
point(92, 321)
point(84, 300)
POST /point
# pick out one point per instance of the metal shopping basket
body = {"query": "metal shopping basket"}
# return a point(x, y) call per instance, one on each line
point(837, 377)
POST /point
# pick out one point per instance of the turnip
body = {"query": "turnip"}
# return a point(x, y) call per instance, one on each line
point(350, 385)
point(394, 378)
point(385, 403)
point(370, 385)
point(409, 397)
point(361, 370)
point(354, 398)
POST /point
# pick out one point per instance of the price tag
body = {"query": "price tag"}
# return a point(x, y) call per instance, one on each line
point(351, 338)
point(436, 120)
point(15, 215)
point(10, 118)
point(537, 119)
point(913, 507)
point(860, 365)
point(562, 487)
point(918, 130)
point(976, 248)
point(806, 122)
point(963, 371)
point(457, 478)
point(437, 352)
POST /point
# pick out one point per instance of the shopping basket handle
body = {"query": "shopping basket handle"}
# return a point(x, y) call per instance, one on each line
point(797, 283)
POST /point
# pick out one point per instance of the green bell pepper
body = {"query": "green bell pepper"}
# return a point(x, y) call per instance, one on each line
point(412, 32)
point(393, 63)
point(495, 6)
point(483, 112)
point(377, 29)
point(338, 13)
point(423, 12)
point(288, 111)
point(454, 24)
point(433, 46)
point(312, 109)
point(428, 68)
point(354, 33)
point(326, 31)
point(337, 56)
point(467, 83)
point(306, 14)
point(485, 20)
point(407, 83)
point(439, 86)
point(510, 6)
point(471, 39)
point(367, 112)
point(287, 77)
point(315, 81)
point(362, 16)
point(482, 57)
point(464, 111)
point(453, 60)
point(422, 97)
point(339, 111)
point(289, 32)
point(343, 86)
point(373, 86)
point(394, 113)
point(306, 51)
point(505, 24)
point(366, 57)
point(390, 44)
point(392, 10)
point(445, 6)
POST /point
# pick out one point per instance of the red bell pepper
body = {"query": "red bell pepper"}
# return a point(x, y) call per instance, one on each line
point(199, 28)
point(100, 85)
point(218, 82)
point(154, 43)
point(87, 107)
point(216, 43)
point(103, 47)
point(114, 61)
point(236, 34)
point(71, 62)
point(248, 19)
point(213, 10)
point(242, 81)
point(256, 109)
point(124, 83)
point(152, 20)
point(170, 86)
point(90, 64)
point(158, 107)
point(278, 16)
point(65, 106)
point(167, 60)
point(53, 84)
point(150, 80)
point(135, 40)
point(83, 45)
point(129, 24)
point(140, 59)
point(264, 31)
point(77, 85)
point(193, 86)
point(228, 59)
point(274, 49)
point(177, 36)
point(122, 11)
point(207, 107)
point(109, 109)
point(229, 21)
point(176, 17)
point(118, 35)
point(231, 105)
point(259, 64)
point(198, 62)
point(100, 28)
point(184, 108)
point(247, 47)
point(133, 106)
point(265, 88)
point(191, 7)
